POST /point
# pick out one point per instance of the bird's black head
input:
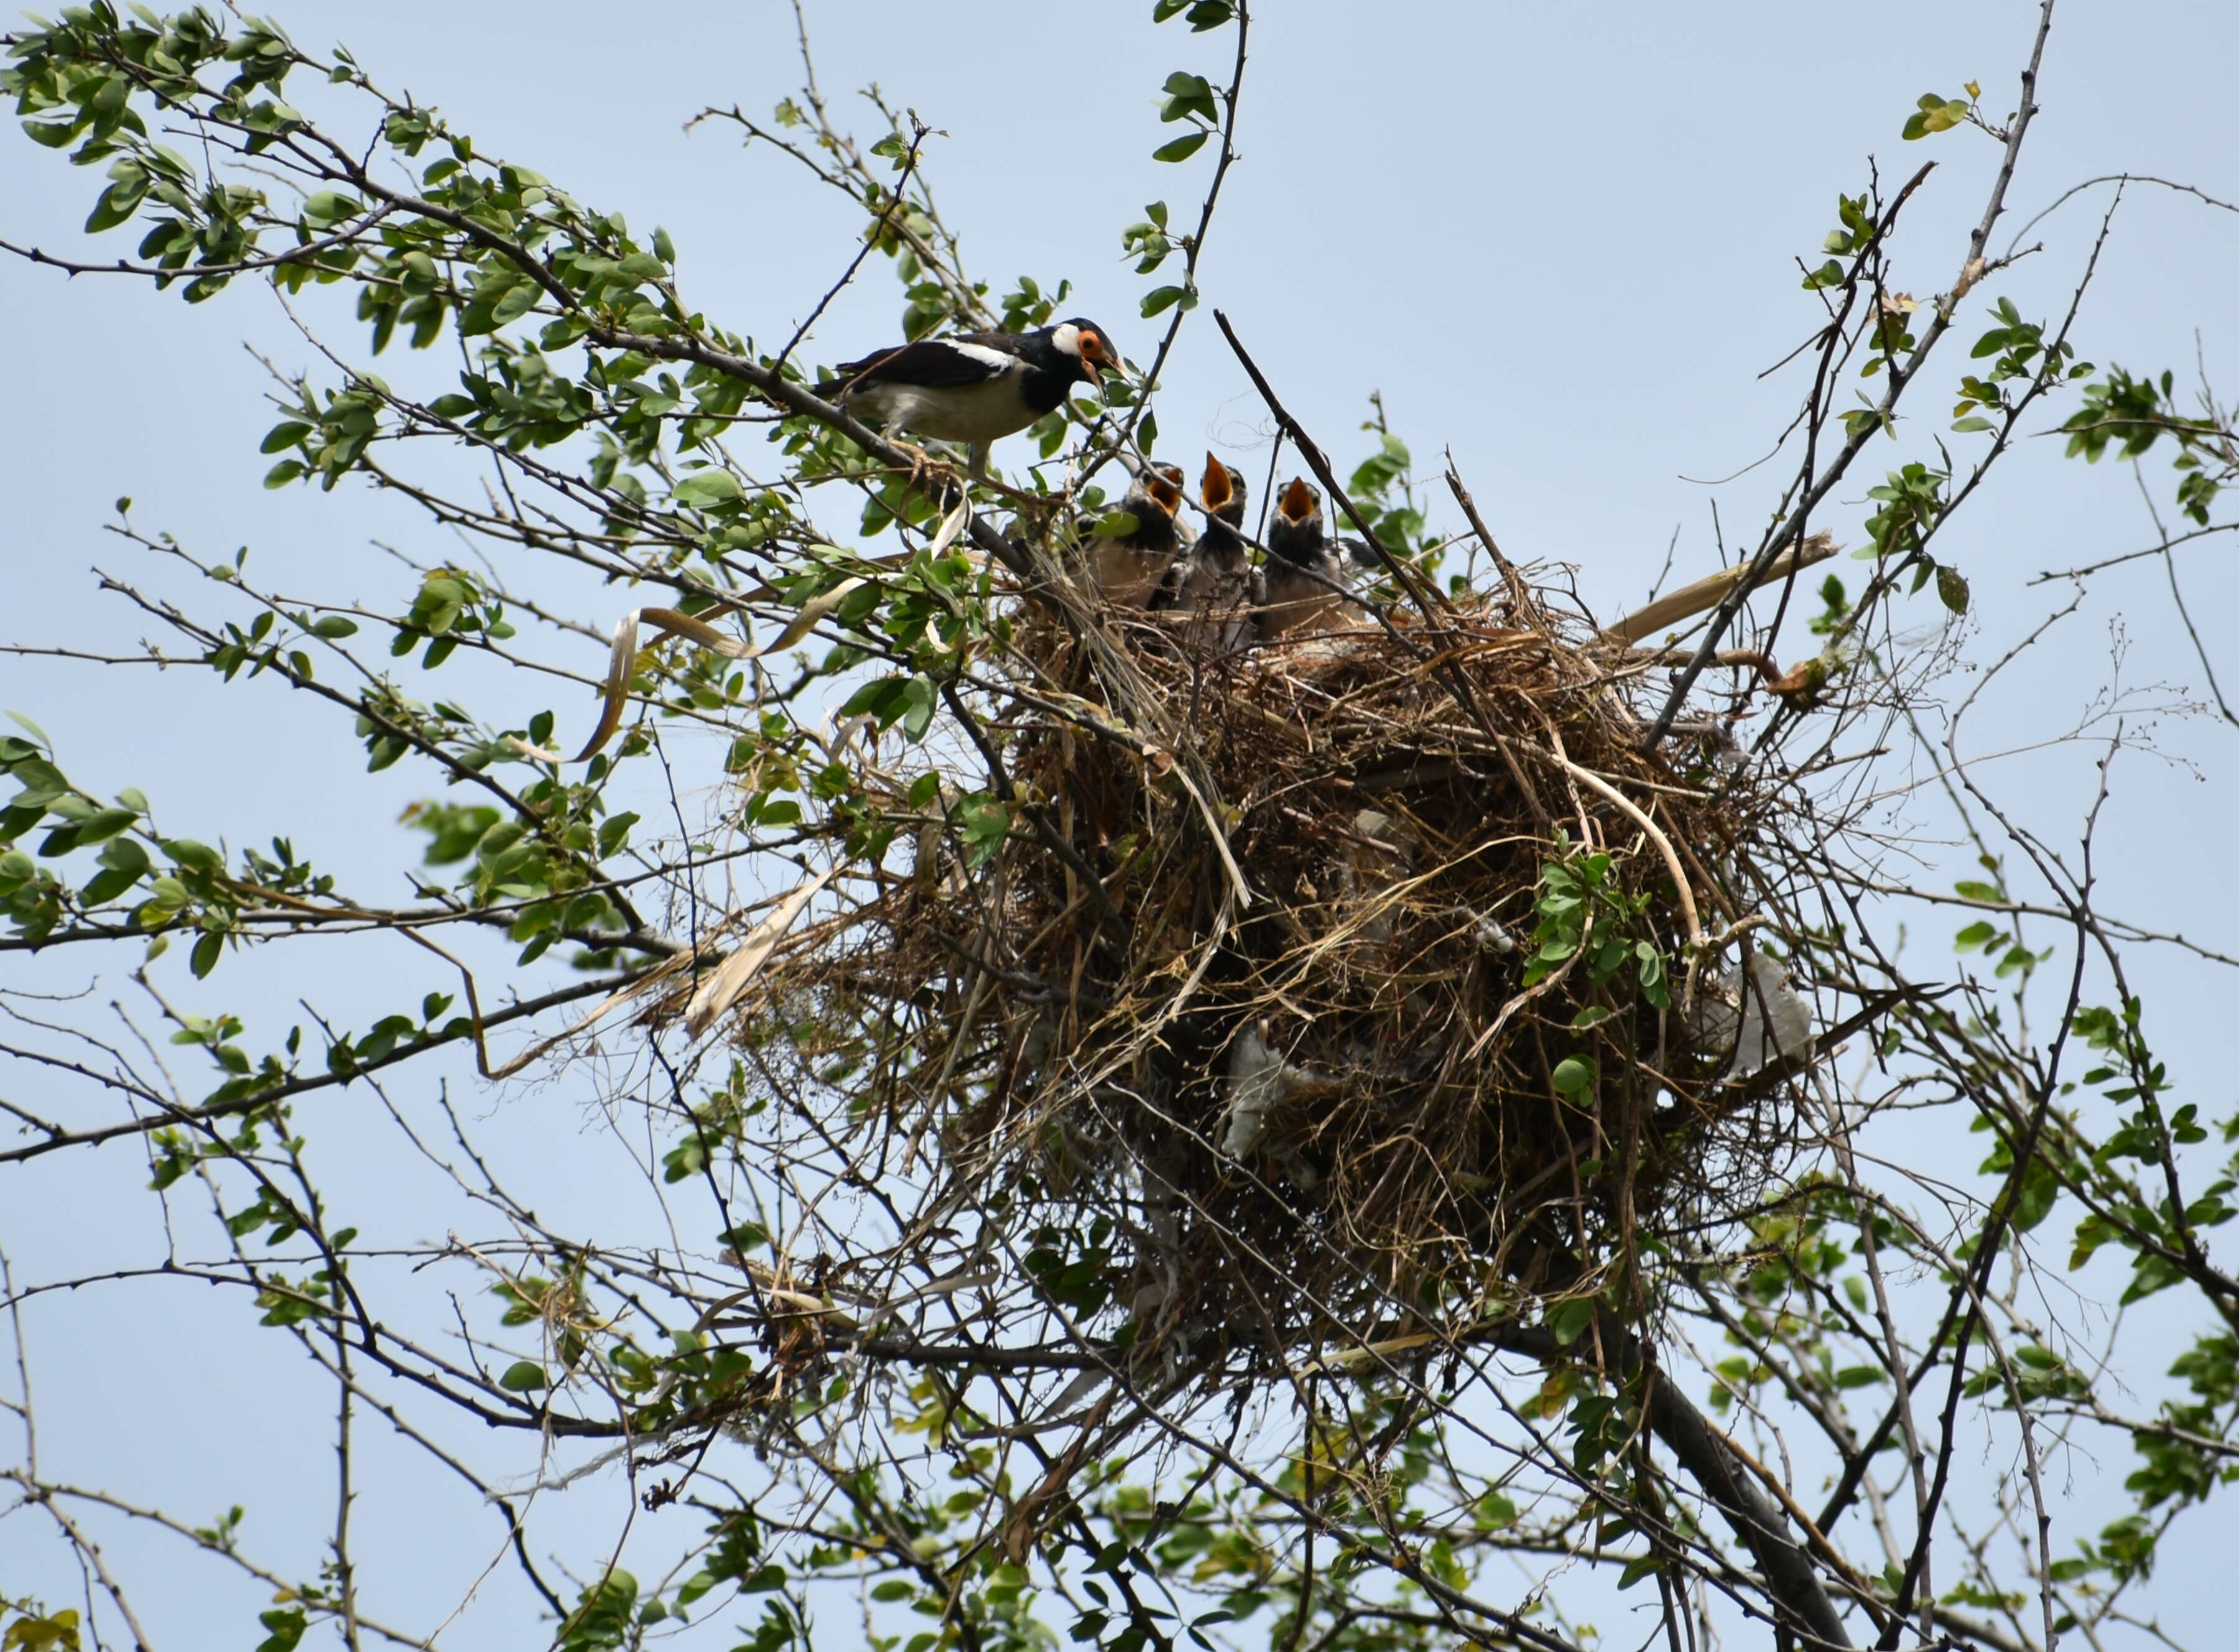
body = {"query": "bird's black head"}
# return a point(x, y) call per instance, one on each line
point(1222, 491)
point(1090, 347)
point(1301, 503)
point(1160, 486)
point(1295, 532)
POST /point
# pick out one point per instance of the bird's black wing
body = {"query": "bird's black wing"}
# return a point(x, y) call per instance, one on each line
point(932, 364)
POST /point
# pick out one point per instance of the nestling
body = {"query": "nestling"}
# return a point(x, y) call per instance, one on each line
point(1217, 577)
point(1304, 571)
point(1128, 569)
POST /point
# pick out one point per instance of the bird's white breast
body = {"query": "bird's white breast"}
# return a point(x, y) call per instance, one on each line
point(973, 413)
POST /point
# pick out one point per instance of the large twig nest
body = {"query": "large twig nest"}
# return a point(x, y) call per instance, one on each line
point(1451, 1012)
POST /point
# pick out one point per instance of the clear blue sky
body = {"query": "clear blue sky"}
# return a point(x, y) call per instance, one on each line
point(1559, 239)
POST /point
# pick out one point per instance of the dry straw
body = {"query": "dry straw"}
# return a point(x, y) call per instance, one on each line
point(1319, 996)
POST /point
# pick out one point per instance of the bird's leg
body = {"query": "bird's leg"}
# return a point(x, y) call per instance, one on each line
point(927, 468)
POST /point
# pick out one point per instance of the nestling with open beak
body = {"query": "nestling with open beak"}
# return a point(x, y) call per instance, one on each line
point(1304, 568)
point(1127, 569)
point(1217, 577)
point(976, 387)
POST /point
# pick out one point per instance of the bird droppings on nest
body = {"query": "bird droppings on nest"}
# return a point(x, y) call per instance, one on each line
point(1319, 994)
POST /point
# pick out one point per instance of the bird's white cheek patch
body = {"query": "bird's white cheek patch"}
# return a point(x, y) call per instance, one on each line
point(1068, 338)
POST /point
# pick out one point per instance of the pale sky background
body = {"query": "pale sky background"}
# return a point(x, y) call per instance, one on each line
point(1559, 239)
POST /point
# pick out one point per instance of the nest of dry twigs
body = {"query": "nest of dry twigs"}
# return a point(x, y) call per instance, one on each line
point(1442, 1015)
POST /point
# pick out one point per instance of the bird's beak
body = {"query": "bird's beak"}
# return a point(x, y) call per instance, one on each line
point(1297, 500)
point(1164, 492)
point(1100, 358)
point(1213, 490)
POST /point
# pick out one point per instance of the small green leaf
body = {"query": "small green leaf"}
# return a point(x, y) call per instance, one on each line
point(1951, 586)
point(1974, 935)
point(524, 1376)
point(918, 693)
point(1162, 298)
point(329, 205)
point(1934, 114)
point(1574, 1074)
point(707, 487)
point(1182, 148)
point(103, 825)
point(1570, 1318)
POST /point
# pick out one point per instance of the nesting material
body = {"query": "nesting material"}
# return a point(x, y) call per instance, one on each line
point(1406, 1045)
point(1758, 1020)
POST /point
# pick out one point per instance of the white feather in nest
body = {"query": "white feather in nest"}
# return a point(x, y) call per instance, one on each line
point(1259, 1080)
point(1764, 1022)
point(1255, 1089)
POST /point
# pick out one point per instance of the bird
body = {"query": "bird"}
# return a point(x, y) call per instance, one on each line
point(1217, 577)
point(976, 387)
point(1129, 568)
point(1306, 569)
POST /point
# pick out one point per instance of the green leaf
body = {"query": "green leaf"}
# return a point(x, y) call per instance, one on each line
point(1936, 114)
point(986, 822)
point(105, 824)
point(117, 203)
point(1163, 298)
point(287, 1624)
point(524, 1376)
point(918, 696)
point(881, 697)
point(1574, 1074)
point(1970, 424)
point(1951, 586)
point(706, 487)
point(330, 205)
point(1182, 148)
point(1187, 94)
point(1569, 1318)
point(282, 437)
